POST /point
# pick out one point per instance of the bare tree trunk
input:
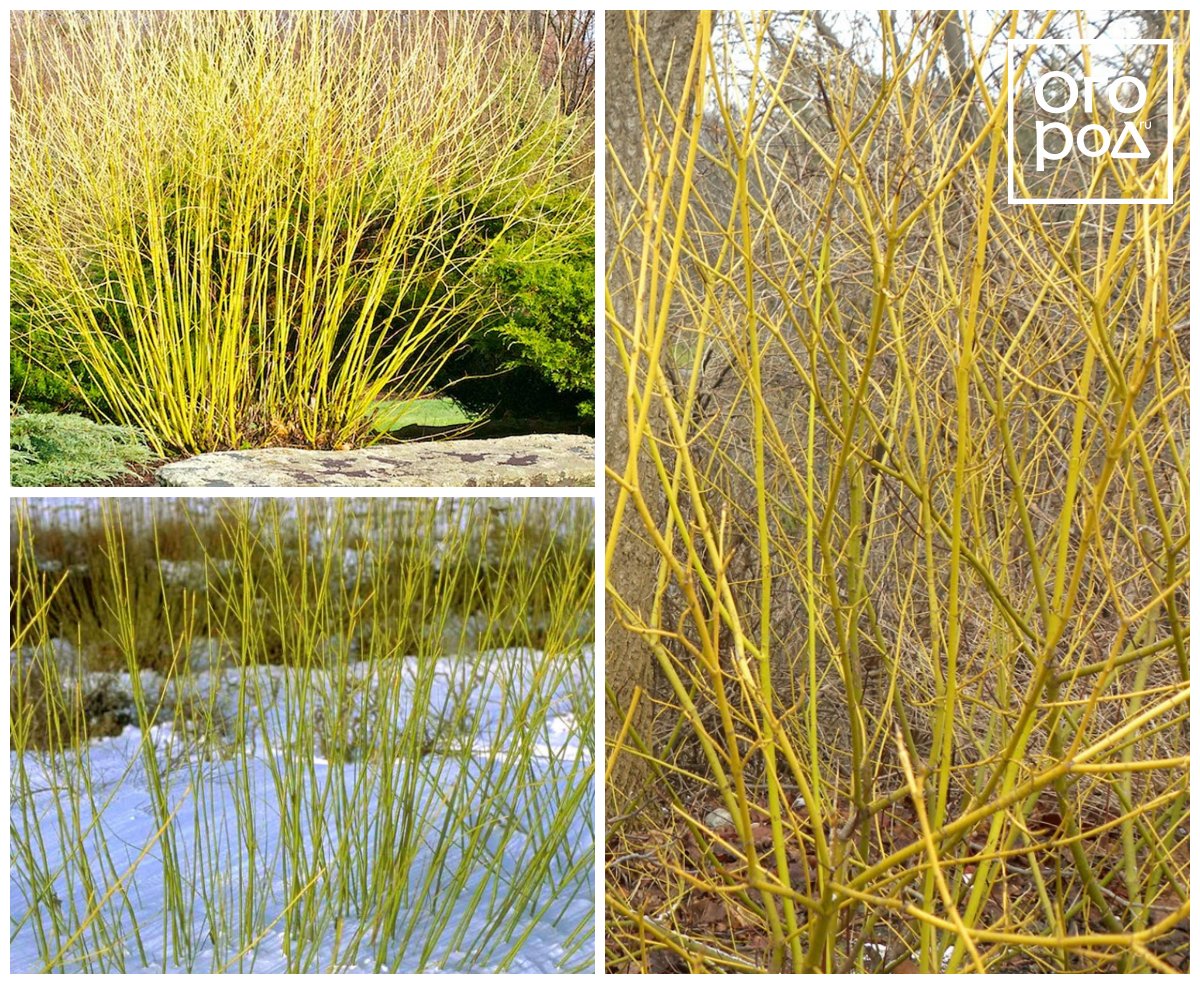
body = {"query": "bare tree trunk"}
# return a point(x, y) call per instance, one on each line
point(633, 572)
point(962, 71)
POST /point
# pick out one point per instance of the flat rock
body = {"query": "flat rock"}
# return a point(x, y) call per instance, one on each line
point(529, 459)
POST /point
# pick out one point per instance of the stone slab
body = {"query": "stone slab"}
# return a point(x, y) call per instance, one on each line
point(557, 460)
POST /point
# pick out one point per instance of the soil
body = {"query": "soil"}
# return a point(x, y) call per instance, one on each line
point(678, 872)
point(136, 476)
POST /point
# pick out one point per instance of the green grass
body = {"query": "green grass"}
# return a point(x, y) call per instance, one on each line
point(438, 411)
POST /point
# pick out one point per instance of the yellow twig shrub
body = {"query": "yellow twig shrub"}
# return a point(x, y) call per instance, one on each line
point(244, 227)
point(920, 459)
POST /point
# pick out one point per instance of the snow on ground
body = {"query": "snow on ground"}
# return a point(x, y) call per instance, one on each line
point(208, 788)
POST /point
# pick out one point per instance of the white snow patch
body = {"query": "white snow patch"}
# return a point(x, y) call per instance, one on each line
point(207, 820)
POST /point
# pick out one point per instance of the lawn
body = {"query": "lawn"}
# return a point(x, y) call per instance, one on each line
point(394, 415)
